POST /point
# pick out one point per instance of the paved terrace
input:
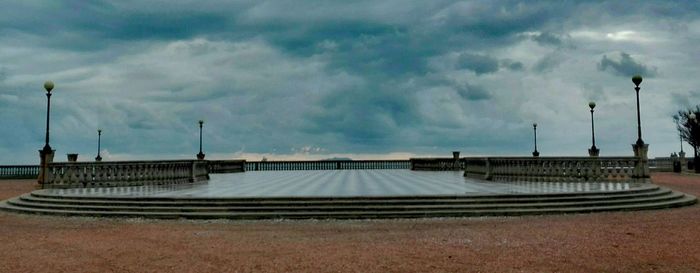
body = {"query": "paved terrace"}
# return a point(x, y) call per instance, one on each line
point(344, 183)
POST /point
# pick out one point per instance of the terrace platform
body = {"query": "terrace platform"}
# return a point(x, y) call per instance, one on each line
point(347, 194)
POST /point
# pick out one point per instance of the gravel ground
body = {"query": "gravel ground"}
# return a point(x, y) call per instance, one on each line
point(645, 241)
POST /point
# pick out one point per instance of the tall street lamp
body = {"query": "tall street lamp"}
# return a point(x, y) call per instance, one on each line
point(593, 151)
point(200, 155)
point(534, 128)
point(638, 80)
point(99, 138)
point(48, 85)
point(640, 149)
point(46, 154)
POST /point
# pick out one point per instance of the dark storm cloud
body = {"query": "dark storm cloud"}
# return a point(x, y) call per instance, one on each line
point(366, 114)
point(626, 66)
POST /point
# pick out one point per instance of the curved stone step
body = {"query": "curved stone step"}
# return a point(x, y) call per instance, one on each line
point(684, 201)
point(649, 197)
point(20, 202)
point(49, 194)
point(304, 202)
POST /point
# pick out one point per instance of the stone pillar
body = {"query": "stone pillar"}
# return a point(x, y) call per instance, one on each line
point(674, 162)
point(487, 174)
point(596, 170)
point(46, 159)
point(684, 161)
point(641, 172)
point(455, 160)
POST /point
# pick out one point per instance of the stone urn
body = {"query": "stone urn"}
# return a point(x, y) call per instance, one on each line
point(72, 157)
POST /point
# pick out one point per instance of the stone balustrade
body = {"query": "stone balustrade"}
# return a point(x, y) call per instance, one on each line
point(227, 166)
point(124, 173)
point(325, 165)
point(558, 169)
point(19, 171)
point(436, 164)
point(661, 164)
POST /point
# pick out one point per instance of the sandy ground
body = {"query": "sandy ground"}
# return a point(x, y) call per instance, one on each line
point(646, 241)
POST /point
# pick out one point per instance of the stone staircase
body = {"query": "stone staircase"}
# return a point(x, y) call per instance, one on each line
point(361, 207)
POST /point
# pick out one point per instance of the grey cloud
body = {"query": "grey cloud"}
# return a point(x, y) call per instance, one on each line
point(503, 19)
point(480, 64)
point(687, 99)
point(594, 91)
point(512, 65)
point(473, 92)
point(547, 38)
point(626, 66)
point(547, 63)
point(367, 115)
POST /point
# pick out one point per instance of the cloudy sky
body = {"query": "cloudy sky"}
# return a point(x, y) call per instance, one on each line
point(361, 79)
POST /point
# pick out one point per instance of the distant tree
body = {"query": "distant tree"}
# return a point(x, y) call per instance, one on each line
point(689, 129)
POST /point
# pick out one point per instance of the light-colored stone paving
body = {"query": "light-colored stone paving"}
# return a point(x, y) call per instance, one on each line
point(345, 183)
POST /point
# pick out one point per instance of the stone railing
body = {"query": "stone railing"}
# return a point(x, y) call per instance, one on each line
point(325, 165)
point(124, 173)
point(227, 166)
point(558, 169)
point(436, 164)
point(662, 164)
point(18, 171)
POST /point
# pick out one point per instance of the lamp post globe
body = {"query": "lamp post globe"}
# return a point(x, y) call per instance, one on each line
point(48, 85)
point(637, 80)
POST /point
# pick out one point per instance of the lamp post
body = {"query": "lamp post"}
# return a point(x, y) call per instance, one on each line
point(200, 155)
point(99, 138)
point(534, 128)
point(641, 170)
point(593, 151)
point(48, 85)
point(638, 80)
point(640, 148)
point(46, 154)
